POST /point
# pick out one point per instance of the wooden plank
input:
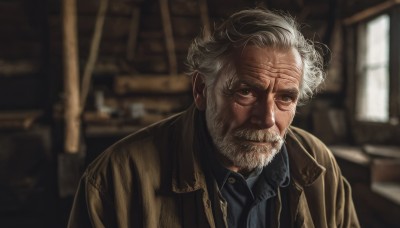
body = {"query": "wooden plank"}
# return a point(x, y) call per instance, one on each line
point(93, 53)
point(148, 64)
point(385, 170)
point(205, 21)
point(18, 67)
point(145, 34)
point(115, 27)
point(145, 63)
point(188, 8)
point(110, 130)
point(351, 154)
point(95, 117)
point(152, 84)
point(372, 11)
point(71, 78)
point(133, 34)
point(394, 68)
point(20, 50)
point(153, 46)
point(111, 47)
point(21, 120)
point(392, 152)
point(188, 27)
point(169, 38)
point(155, 64)
point(122, 8)
point(389, 190)
point(154, 104)
point(375, 209)
point(106, 66)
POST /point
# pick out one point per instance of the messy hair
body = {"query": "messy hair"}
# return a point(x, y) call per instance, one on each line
point(209, 56)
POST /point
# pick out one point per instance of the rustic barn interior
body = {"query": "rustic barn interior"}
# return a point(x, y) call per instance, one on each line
point(75, 76)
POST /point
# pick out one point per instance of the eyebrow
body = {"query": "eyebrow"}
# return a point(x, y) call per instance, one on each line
point(250, 83)
point(292, 91)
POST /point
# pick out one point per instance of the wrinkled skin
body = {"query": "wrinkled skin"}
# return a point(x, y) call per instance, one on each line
point(249, 109)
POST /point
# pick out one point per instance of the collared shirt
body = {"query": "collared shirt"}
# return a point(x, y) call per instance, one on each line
point(249, 199)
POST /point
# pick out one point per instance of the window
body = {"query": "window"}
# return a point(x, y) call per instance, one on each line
point(373, 74)
point(372, 99)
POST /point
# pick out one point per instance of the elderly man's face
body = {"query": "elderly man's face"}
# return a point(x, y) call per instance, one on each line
point(248, 113)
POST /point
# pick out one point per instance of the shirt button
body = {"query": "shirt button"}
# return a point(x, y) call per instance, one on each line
point(231, 180)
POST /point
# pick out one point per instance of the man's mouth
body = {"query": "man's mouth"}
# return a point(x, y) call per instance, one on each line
point(255, 141)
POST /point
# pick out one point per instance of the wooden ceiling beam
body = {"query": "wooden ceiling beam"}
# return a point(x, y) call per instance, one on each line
point(169, 38)
point(370, 12)
point(205, 20)
point(133, 34)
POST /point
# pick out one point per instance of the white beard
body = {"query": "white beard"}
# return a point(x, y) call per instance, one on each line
point(237, 147)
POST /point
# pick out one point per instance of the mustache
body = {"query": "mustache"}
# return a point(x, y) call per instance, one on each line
point(265, 136)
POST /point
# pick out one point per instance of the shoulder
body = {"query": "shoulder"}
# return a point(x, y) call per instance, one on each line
point(131, 156)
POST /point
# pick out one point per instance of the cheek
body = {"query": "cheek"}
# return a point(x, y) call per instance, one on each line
point(283, 120)
point(233, 115)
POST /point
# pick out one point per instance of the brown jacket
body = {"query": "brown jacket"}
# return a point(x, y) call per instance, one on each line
point(153, 178)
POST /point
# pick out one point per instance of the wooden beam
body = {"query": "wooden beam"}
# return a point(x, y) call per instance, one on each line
point(156, 104)
point(18, 67)
point(93, 53)
point(372, 11)
point(204, 17)
point(133, 34)
point(71, 77)
point(18, 119)
point(152, 84)
point(169, 38)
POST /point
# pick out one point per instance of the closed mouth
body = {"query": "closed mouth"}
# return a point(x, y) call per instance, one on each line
point(256, 141)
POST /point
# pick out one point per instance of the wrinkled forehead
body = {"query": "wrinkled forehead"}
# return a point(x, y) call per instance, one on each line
point(253, 61)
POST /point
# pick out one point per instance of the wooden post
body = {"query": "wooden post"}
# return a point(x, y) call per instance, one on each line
point(71, 77)
point(169, 38)
point(94, 52)
point(133, 34)
point(374, 10)
point(204, 17)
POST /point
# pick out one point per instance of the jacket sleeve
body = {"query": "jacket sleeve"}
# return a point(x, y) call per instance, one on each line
point(91, 207)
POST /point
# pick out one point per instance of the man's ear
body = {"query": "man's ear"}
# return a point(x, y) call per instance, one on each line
point(199, 91)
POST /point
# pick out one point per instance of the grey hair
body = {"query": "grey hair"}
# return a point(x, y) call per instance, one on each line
point(209, 56)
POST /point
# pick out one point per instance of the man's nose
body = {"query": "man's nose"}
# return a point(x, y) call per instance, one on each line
point(264, 112)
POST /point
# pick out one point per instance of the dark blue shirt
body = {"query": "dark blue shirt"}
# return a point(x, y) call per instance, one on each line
point(249, 199)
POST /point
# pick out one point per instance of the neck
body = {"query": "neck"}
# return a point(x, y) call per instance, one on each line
point(229, 165)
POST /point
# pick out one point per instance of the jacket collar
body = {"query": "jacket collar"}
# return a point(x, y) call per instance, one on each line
point(188, 175)
point(304, 169)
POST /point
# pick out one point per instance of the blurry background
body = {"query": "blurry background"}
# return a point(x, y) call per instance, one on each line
point(75, 76)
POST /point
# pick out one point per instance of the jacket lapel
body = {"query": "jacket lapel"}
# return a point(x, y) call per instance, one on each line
point(187, 175)
point(304, 171)
point(188, 179)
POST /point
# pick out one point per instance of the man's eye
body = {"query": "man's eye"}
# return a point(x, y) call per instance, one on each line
point(244, 92)
point(286, 98)
point(245, 96)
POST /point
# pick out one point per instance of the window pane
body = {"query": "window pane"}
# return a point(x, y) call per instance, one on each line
point(373, 96)
point(374, 104)
point(378, 41)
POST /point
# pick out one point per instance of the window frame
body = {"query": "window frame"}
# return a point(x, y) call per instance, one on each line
point(368, 131)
